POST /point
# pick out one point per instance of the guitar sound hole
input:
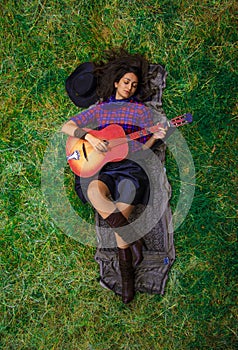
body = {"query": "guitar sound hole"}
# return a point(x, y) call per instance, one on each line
point(84, 152)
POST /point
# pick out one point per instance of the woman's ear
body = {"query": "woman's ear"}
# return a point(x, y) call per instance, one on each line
point(116, 84)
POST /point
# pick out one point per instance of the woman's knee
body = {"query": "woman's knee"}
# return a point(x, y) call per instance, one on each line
point(97, 189)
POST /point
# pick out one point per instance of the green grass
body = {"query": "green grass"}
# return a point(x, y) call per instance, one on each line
point(51, 298)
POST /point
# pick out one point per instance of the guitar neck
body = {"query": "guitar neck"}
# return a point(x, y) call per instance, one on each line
point(175, 122)
point(146, 131)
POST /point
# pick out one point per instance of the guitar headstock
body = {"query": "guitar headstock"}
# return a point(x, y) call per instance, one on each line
point(188, 117)
point(182, 119)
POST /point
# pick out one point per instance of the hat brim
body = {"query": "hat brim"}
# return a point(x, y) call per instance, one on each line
point(81, 101)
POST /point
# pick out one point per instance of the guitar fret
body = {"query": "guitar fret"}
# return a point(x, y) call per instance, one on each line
point(141, 133)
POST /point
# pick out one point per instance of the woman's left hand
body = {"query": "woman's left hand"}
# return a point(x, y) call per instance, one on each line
point(161, 133)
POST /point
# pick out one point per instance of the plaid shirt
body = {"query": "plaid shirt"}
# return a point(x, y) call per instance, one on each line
point(132, 116)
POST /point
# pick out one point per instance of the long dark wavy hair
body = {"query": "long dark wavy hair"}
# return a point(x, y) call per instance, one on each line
point(116, 63)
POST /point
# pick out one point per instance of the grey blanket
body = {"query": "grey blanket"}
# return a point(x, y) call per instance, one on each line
point(159, 255)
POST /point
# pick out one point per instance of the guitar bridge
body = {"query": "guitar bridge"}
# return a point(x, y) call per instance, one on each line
point(75, 155)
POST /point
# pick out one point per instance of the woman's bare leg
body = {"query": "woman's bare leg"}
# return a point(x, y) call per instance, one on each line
point(98, 194)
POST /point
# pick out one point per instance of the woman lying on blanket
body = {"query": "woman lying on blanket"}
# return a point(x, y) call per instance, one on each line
point(121, 85)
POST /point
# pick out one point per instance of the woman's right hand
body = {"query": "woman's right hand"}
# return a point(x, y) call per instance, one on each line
point(100, 146)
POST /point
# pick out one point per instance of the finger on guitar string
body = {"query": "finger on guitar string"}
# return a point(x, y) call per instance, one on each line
point(98, 144)
point(101, 147)
point(161, 133)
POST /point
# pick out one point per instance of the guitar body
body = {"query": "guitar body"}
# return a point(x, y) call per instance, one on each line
point(87, 162)
point(84, 161)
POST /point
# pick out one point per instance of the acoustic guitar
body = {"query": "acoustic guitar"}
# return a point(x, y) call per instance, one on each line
point(84, 161)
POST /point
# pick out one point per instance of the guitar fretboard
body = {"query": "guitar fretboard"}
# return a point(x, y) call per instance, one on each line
point(145, 132)
point(175, 122)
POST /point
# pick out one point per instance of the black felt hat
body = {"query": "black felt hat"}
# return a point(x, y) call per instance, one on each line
point(81, 85)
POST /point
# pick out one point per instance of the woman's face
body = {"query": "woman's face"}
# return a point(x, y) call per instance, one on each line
point(126, 87)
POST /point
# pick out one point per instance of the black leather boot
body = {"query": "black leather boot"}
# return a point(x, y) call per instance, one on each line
point(127, 274)
point(118, 220)
point(136, 248)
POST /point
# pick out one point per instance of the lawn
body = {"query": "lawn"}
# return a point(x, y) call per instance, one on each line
point(50, 295)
